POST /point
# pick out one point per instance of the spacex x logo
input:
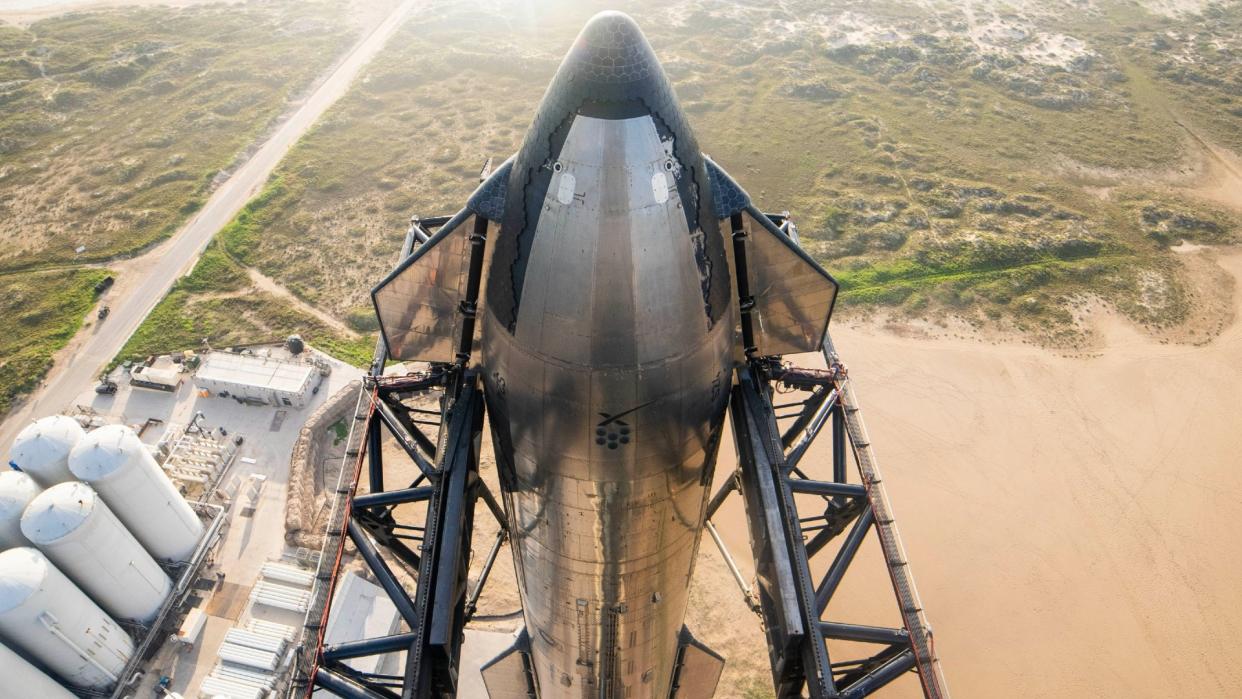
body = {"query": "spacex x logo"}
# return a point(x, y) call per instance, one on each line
point(612, 431)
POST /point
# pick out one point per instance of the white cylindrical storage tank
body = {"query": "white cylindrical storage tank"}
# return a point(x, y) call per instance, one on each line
point(16, 491)
point(72, 526)
point(45, 614)
point(19, 679)
point(42, 449)
point(118, 465)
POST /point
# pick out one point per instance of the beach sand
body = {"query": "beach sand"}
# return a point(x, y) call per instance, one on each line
point(1074, 524)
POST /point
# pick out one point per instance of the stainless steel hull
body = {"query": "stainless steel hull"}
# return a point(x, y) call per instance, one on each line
point(592, 273)
point(608, 394)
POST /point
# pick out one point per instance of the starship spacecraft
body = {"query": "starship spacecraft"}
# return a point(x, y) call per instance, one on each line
point(608, 298)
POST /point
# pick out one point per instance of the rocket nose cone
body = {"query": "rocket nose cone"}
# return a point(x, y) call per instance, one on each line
point(610, 72)
point(612, 49)
point(611, 29)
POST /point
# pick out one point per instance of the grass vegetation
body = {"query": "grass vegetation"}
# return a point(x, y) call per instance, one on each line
point(1196, 68)
point(331, 222)
point(340, 432)
point(116, 125)
point(938, 176)
point(42, 311)
point(932, 173)
point(215, 306)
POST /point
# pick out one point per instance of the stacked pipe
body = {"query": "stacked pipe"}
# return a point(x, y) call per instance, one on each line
point(271, 629)
point(280, 596)
point(231, 687)
point(248, 659)
point(287, 574)
point(250, 639)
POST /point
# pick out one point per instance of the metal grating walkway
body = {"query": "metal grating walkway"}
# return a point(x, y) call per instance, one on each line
point(913, 617)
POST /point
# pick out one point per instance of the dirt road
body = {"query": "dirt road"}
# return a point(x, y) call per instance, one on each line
point(1222, 177)
point(158, 270)
point(263, 282)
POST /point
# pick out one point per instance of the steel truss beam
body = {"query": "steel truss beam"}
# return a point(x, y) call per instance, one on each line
point(347, 686)
point(787, 535)
point(442, 601)
point(430, 543)
point(793, 517)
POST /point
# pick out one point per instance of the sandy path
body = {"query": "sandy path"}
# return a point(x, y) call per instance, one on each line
point(1222, 179)
point(275, 288)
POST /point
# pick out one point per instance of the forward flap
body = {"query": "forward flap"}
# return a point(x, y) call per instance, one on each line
point(509, 675)
point(697, 671)
point(421, 305)
point(793, 295)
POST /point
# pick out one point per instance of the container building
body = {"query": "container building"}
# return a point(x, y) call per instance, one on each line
point(257, 379)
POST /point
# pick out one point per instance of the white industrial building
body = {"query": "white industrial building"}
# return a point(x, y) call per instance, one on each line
point(257, 378)
point(163, 375)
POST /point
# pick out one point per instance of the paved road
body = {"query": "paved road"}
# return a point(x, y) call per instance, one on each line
point(160, 268)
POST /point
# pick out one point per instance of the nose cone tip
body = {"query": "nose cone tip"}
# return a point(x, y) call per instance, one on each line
point(611, 28)
point(612, 49)
point(610, 72)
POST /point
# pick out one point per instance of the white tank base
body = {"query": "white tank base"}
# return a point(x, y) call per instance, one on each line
point(45, 615)
point(21, 680)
